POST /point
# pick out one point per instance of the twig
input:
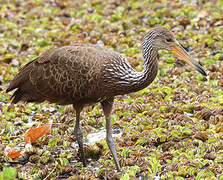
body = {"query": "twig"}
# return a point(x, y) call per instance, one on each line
point(50, 173)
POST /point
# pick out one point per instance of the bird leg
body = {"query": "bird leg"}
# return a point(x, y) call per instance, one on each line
point(107, 108)
point(79, 136)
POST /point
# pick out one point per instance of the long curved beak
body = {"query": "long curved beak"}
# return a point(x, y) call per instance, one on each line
point(180, 52)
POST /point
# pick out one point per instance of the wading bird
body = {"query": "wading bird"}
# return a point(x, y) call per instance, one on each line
point(83, 74)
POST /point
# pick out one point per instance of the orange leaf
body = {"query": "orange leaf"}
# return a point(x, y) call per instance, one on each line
point(11, 152)
point(35, 133)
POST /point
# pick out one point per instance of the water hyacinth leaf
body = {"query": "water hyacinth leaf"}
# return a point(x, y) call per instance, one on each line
point(8, 173)
point(155, 122)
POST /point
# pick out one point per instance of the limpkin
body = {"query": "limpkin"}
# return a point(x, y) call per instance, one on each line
point(83, 74)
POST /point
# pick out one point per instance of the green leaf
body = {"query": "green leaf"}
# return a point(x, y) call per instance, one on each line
point(8, 57)
point(8, 173)
point(166, 89)
point(144, 91)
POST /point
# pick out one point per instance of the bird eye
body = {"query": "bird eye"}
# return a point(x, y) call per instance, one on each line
point(169, 40)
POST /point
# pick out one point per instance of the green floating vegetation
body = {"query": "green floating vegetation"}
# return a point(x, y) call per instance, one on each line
point(172, 129)
point(8, 173)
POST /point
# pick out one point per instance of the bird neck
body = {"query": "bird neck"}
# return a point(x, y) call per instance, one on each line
point(126, 80)
point(150, 68)
point(136, 81)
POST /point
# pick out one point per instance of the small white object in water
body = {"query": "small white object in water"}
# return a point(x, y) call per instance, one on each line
point(95, 137)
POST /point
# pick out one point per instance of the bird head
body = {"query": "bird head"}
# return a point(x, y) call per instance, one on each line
point(163, 38)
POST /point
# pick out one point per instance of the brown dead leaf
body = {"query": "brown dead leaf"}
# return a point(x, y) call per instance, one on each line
point(11, 152)
point(35, 133)
point(201, 135)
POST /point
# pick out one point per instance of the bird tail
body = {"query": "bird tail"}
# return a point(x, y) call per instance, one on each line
point(25, 91)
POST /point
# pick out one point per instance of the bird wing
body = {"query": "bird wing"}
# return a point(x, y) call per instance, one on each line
point(61, 75)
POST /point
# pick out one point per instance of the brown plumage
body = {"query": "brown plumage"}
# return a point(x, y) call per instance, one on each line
point(84, 74)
